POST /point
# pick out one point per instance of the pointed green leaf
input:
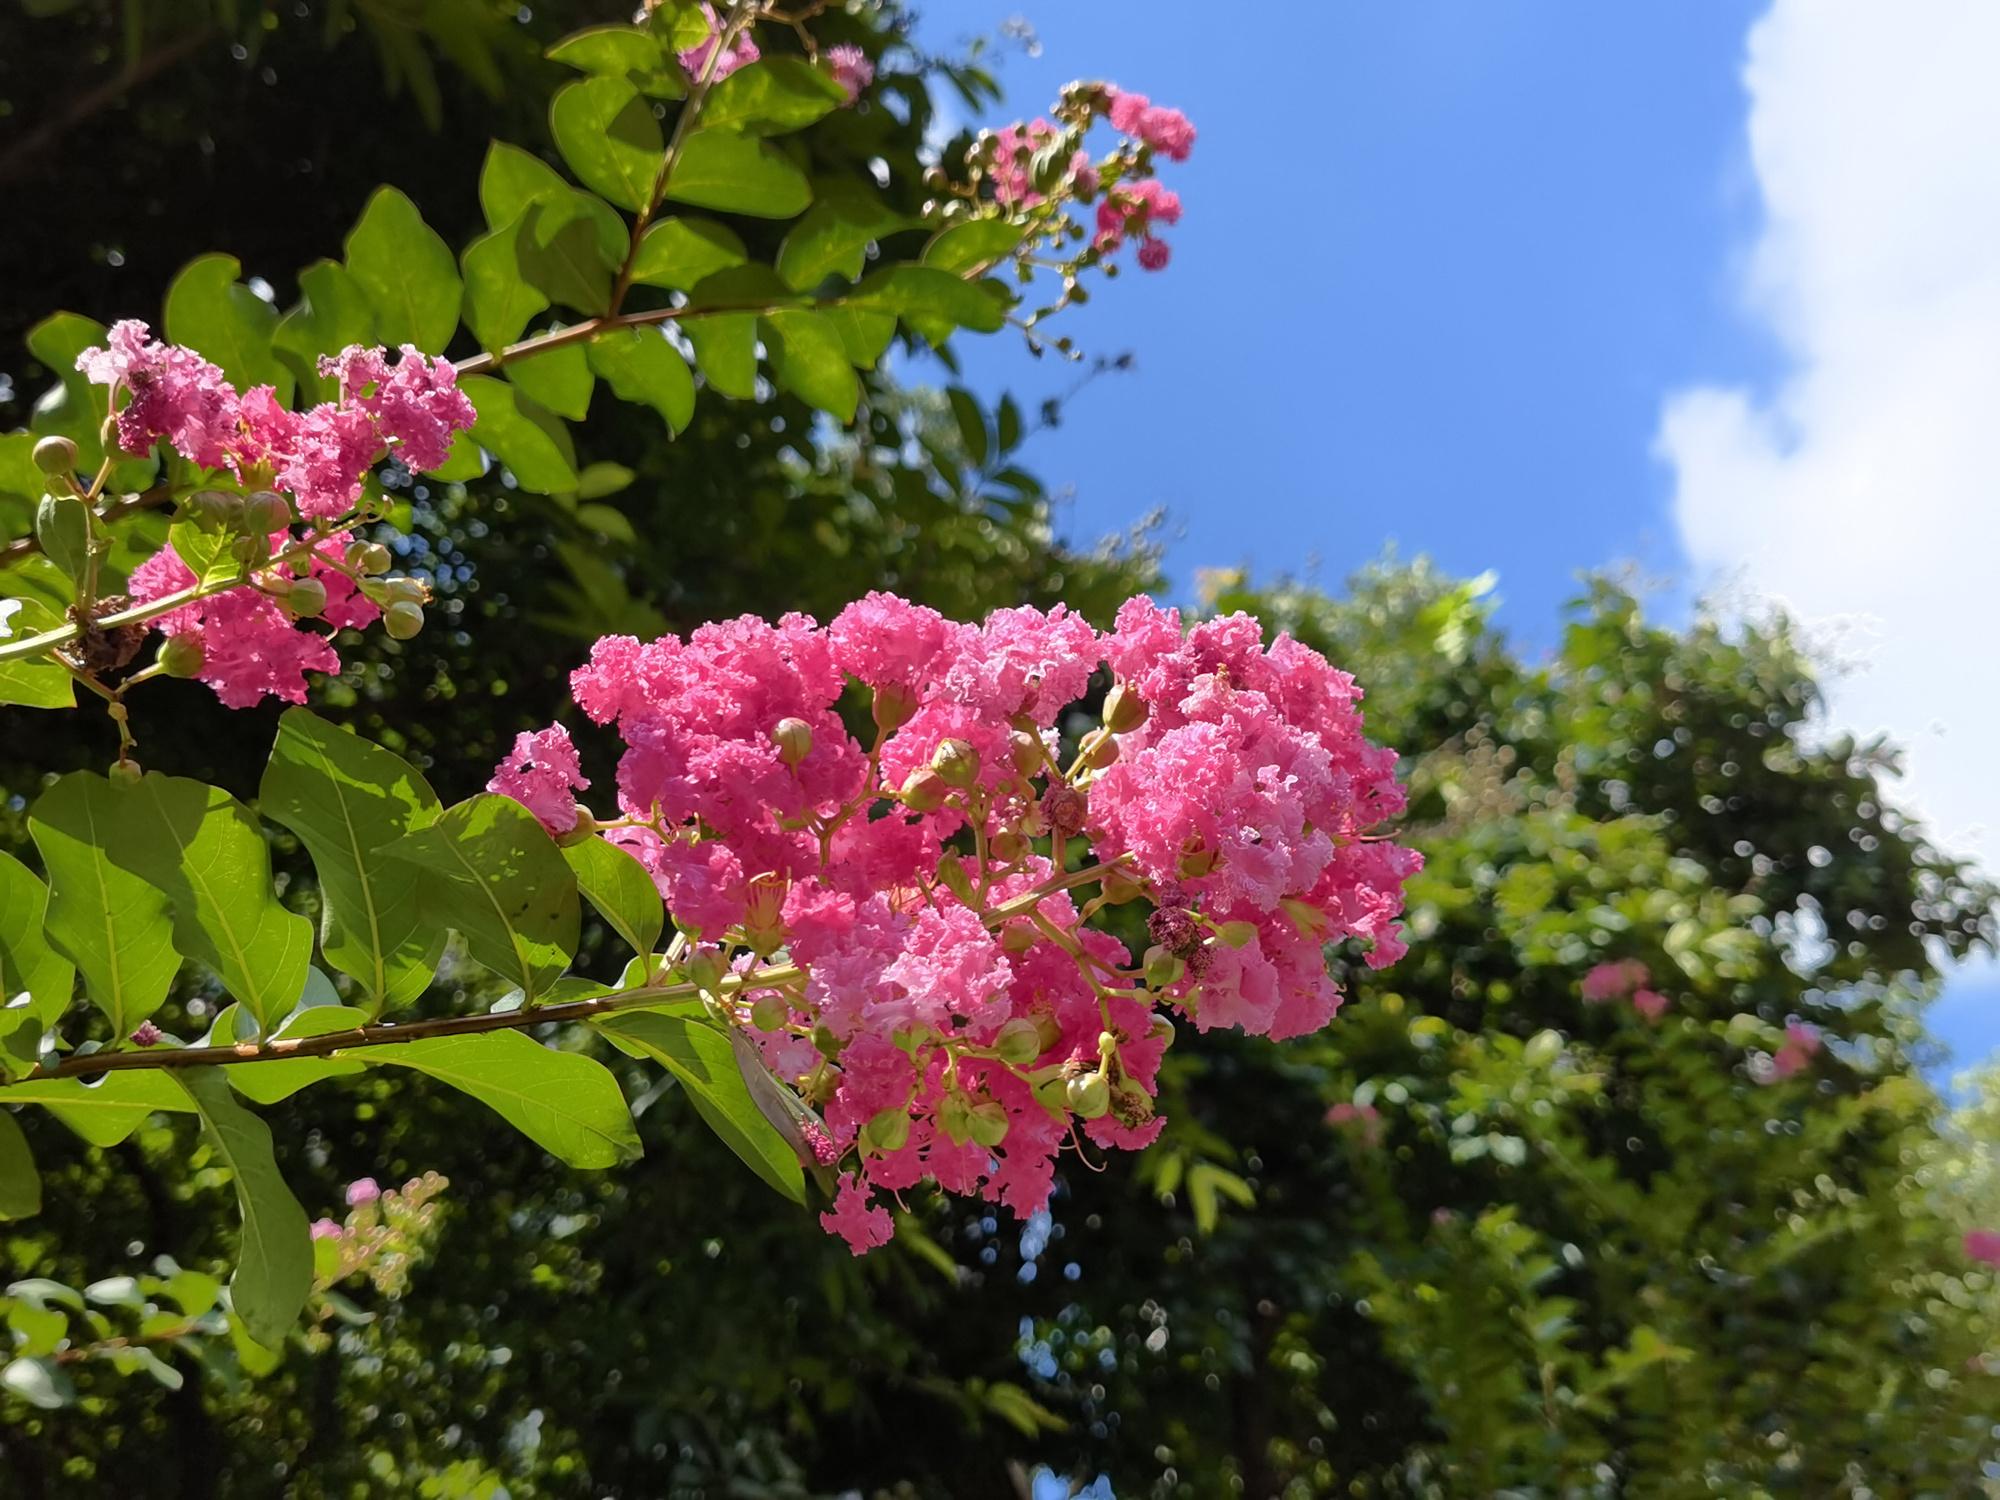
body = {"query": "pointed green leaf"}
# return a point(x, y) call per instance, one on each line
point(640, 365)
point(621, 890)
point(510, 179)
point(274, 1267)
point(408, 273)
point(931, 301)
point(833, 238)
point(720, 169)
point(333, 312)
point(106, 1110)
point(348, 800)
point(205, 850)
point(561, 247)
point(523, 435)
point(809, 360)
point(20, 1183)
point(214, 314)
point(628, 52)
point(772, 96)
point(35, 980)
point(680, 253)
point(607, 134)
point(977, 242)
point(699, 1055)
point(499, 299)
point(564, 1102)
point(108, 921)
point(35, 682)
point(488, 870)
point(559, 379)
point(863, 334)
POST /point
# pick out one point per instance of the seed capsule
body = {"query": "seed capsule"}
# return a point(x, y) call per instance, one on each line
point(1089, 1096)
point(1124, 709)
point(956, 762)
point(794, 739)
point(403, 620)
point(182, 656)
point(307, 597)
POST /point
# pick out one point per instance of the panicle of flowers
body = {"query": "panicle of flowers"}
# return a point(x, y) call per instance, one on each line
point(274, 469)
point(1626, 979)
point(386, 1233)
point(1076, 209)
point(902, 924)
point(740, 52)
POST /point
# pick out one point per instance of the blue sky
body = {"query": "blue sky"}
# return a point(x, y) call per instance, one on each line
point(1442, 268)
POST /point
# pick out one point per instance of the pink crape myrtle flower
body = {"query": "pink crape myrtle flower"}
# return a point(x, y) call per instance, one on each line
point(326, 1229)
point(1801, 1045)
point(851, 69)
point(1613, 981)
point(170, 393)
point(1983, 1245)
point(1650, 1003)
point(934, 994)
point(543, 774)
point(1167, 131)
point(740, 53)
point(363, 1190)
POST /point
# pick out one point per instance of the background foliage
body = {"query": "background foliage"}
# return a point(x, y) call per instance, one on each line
point(1549, 1248)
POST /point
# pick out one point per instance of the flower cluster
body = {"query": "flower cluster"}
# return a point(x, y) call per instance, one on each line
point(1983, 1245)
point(903, 926)
point(1035, 169)
point(740, 52)
point(286, 467)
point(1800, 1047)
point(1627, 979)
point(386, 1232)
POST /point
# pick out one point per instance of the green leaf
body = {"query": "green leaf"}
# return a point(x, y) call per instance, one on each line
point(214, 314)
point(977, 242)
point(971, 423)
point(603, 478)
point(206, 553)
point(772, 96)
point(832, 239)
point(809, 359)
point(110, 922)
point(62, 526)
point(499, 299)
point(77, 408)
point(642, 366)
point(700, 1056)
point(348, 800)
point(333, 312)
point(679, 253)
point(491, 872)
point(29, 967)
point(863, 334)
point(20, 1183)
point(269, 1082)
point(34, 682)
point(627, 52)
point(607, 134)
point(557, 378)
point(564, 1102)
point(106, 1111)
point(562, 252)
point(510, 179)
point(621, 890)
point(205, 850)
point(274, 1267)
point(522, 435)
point(931, 301)
point(407, 272)
point(722, 170)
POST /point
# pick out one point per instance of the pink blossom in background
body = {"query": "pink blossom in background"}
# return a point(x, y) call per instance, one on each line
point(326, 1229)
point(1983, 1245)
point(1650, 1003)
point(1613, 981)
point(1801, 1045)
point(851, 69)
point(362, 1190)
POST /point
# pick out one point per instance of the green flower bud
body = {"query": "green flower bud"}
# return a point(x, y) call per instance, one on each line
point(125, 773)
point(794, 739)
point(181, 656)
point(954, 1118)
point(1119, 887)
point(1018, 1042)
point(705, 970)
point(893, 707)
point(888, 1130)
point(405, 591)
point(369, 557)
point(403, 620)
point(1052, 1094)
point(1017, 938)
point(307, 598)
point(55, 455)
point(267, 511)
point(1124, 709)
point(769, 1013)
point(1008, 846)
point(827, 1043)
point(988, 1122)
point(956, 762)
point(1161, 1029)
point(212, 510)
point(1162, 968)
point(1026, 749)
point(954, 877)
point(585, 827)
point(925, 791)
point(1089, 1096)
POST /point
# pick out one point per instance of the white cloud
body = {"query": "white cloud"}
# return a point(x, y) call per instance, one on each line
point(1864, 490)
